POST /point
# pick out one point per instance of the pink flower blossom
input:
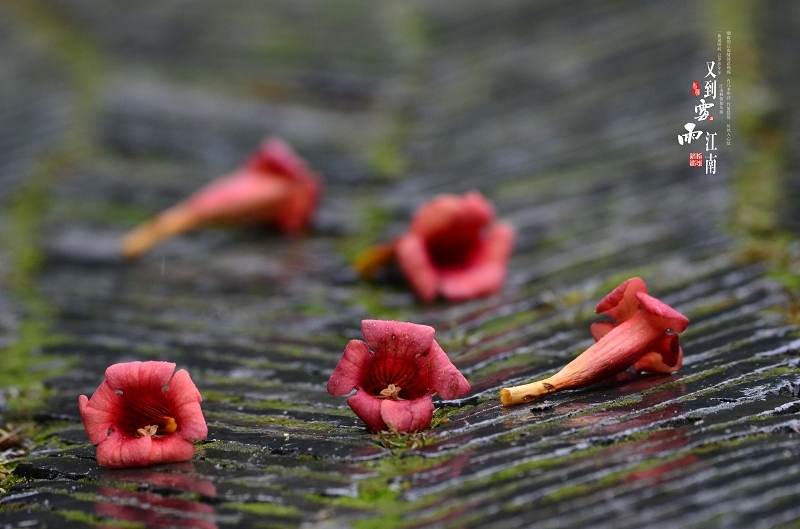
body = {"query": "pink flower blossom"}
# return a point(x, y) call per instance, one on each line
point(395, 382)
point(623, 303)
point(274, 186)
point(644, 337)
point(454, 248)
point(143, 414)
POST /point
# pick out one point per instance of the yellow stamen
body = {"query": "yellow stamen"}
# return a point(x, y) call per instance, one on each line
point(392, 392)
point(168, 426)
point(163, 426)
point(149, 430)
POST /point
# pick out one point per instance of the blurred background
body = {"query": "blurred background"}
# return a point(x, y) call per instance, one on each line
point(565, 115)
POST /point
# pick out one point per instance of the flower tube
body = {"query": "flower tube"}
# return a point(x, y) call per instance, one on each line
point(644, 338)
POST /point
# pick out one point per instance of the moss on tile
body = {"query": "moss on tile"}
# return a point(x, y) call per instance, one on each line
point(442, 415)
point(714, 446)
point(264, 508)
point(266, 421)
point(551, 462)
point(386, 157)
point(508, 323)
point(372, 299)
point(399, 442)
point(283, 405)
point(609, 480)
point(514, 361)
point(9, 479)
point(380, 496)
point(92, 519)
point(684, 380)
point(28, 206)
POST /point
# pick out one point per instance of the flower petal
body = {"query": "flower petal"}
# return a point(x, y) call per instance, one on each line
point(666, 356)
point(241, 196)
point(472, 282)
point(296, 212)
point(368, 409)
point(452, 215)
point(119, 451)
point(100, 413)
point(621, 303)
point(407, 415)
point(276, 156)
point(499, 243)
point(414, 261)
point(171, 449)
point(139, 376)
point(397, 347)
point(277, 162)
point(486, 271)
point(443, 376)
point(184, 402)
point(352, 368)
point(396, 337)
point(600, 329)
point(661, 314)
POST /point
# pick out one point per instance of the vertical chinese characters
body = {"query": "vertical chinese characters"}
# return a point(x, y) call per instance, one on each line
point(711, 94)
point(689, 135)
point(728, 87)
point(711, 159)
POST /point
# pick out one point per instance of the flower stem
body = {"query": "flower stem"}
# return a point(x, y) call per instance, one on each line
point(526, 392)
point(613, 353)
point(173, 221)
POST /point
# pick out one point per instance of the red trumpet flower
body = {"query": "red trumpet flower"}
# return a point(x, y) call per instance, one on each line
point(395, 383)
point(143, 415)
point(644, 338)
point(274, 186)
point(454, 247)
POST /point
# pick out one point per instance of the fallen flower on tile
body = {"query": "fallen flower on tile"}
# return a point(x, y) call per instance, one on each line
point(395, 380)
point(644, 337)
point(454, 248)
point(274, 186)
point(143, 414)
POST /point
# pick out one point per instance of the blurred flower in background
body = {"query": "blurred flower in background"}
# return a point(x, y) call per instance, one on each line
point(274, 186)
